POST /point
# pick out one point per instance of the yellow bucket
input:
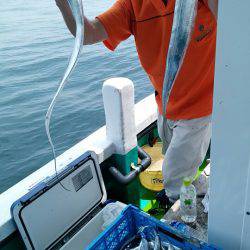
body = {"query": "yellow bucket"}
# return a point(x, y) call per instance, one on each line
point(152, 178)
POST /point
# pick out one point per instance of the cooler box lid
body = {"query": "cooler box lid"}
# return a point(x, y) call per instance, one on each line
point(48, 212)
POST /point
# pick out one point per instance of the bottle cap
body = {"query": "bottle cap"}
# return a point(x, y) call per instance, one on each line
point(187, 181)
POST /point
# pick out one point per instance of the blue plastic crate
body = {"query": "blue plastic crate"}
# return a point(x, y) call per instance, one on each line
point(128, 224)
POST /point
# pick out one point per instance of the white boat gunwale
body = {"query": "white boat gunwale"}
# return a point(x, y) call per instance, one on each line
point(96, 142)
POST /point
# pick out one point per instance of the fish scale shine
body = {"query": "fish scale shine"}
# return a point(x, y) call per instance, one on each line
point(183, 24)
point(77, 11)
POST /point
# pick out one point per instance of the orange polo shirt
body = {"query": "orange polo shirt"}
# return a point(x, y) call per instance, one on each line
point(150, 22)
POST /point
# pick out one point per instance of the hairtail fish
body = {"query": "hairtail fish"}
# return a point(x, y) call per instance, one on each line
point(76, 7)
point(183, 24)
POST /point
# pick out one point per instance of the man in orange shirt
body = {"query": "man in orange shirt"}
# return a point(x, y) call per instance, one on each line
point(187, 132)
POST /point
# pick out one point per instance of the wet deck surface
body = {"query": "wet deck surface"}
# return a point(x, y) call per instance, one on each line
point(173, 214)
point(200, 225)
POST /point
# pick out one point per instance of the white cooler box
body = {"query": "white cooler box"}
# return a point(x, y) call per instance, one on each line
point(50, 217)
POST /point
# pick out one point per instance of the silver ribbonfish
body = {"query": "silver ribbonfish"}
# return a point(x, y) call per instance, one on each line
point(183, 23)
point(77, 11)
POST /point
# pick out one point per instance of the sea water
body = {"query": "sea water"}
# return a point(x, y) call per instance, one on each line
point(34, 50)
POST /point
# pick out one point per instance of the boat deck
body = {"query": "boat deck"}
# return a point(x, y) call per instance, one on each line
point(199, 226)
point(173, 214)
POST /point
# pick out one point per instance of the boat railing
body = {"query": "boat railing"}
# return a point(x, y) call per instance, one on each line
point(124, 121)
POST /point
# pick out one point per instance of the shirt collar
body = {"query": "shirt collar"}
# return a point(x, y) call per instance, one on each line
point(169, 8)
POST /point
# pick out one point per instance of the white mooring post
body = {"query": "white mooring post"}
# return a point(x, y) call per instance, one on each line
point(118, 98)
point(229, 210)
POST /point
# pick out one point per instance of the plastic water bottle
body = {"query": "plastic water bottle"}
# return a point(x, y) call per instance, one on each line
point(188, 201)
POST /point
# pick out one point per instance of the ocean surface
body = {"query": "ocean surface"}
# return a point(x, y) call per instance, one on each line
point(34, 50)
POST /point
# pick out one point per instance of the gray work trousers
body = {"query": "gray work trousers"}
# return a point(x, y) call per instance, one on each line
point(185, 144)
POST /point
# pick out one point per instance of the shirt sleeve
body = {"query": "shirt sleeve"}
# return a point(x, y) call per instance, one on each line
point(117, 23)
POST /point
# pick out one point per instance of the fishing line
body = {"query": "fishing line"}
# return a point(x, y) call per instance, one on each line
point(76, 7)
point(245, 209)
